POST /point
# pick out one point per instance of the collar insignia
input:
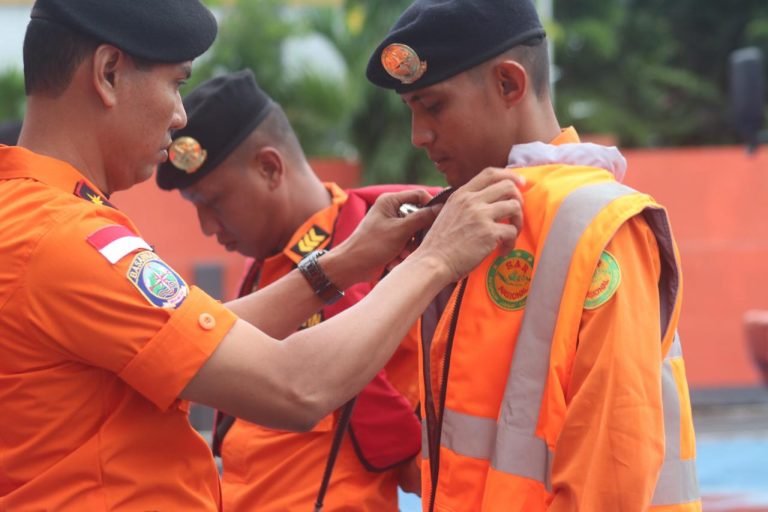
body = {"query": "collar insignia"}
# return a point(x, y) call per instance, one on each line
point(186, 154)
point(403, 63)
point(85, 191)
point(311, 240)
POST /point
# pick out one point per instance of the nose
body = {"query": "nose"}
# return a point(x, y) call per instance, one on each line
point(179, 120)
point(421, 134)
point(208, 223)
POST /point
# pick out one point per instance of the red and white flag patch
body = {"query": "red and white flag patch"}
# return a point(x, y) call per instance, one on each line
point(115, 242)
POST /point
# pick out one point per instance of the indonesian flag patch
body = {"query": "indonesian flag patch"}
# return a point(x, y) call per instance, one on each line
point(115, 242)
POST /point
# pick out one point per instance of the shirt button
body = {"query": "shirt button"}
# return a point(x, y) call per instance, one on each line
point(206, 321)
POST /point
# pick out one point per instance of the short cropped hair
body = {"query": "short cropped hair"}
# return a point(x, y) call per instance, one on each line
point(52, 53)
point(276, 130)
point(534, 56)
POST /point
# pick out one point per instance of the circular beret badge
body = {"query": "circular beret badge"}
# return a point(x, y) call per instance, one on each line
point(509, 280)
point(403, 63)
point(186, 154)
point(605, 281)
point(156, 281)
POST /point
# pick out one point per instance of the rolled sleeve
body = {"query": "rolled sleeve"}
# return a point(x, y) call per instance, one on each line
point(167, 363)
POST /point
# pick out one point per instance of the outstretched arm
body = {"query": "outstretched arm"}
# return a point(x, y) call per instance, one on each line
point(378, 239)
point(292, 384)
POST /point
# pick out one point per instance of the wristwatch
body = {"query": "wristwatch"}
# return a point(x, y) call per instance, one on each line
point(323, 288)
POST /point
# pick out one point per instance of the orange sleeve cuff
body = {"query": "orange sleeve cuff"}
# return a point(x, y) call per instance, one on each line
point(163, 368)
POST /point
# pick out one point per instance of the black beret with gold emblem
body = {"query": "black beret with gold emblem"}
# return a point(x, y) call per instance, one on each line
point(160, 31)
point(221, 114)
point(434, 40)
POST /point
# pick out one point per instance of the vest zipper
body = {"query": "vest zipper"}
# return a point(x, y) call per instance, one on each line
point(435, 430)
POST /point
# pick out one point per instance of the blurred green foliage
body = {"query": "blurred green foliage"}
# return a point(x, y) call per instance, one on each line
point(649, 72)
point(653, 72)
point(11, 95)
point(338, 115)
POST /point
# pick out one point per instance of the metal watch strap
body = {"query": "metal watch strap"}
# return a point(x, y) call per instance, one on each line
point(323, 288)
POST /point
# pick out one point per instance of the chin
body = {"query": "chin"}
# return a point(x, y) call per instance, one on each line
point(456, 181)
point(146, 174)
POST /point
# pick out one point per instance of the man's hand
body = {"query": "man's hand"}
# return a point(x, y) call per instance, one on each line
point(380, 237)
point(476, 219)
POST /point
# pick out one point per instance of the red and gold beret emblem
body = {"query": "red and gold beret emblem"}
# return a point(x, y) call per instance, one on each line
point(403, 63)
point(186, 154)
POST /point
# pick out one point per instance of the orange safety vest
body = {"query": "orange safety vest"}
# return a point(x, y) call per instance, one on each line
point(491, 427)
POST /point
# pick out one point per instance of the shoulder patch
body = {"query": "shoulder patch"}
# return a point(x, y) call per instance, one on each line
point(509, 280)
point(605, 281)
point(156, 281)
point(310, 241)
point(115, 242)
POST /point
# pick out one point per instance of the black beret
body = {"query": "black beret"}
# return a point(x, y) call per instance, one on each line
point(434, 40)
point(221, 113)
point(156, 30)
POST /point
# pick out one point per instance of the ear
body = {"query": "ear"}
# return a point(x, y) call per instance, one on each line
point(511, 81)
point(108, 62)
point(271, 165)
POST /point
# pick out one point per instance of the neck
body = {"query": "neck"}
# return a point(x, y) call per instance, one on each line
point(307, 197)
point(541, 123)
point(58, 129)
point(312, 198)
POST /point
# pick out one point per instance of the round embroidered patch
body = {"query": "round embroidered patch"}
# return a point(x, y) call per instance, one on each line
point(605, 281)
point(509, 279)
point(156, 281)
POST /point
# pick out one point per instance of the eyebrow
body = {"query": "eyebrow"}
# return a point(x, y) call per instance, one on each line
point(190, 194)
point(187, 69)
point(421, 96)
point(416, 98)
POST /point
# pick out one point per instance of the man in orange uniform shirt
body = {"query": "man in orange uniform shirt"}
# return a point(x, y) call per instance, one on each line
point(553, 373)
point(258, 195)
point(102, 343)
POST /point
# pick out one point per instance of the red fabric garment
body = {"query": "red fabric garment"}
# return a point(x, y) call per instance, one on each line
point(384, 428)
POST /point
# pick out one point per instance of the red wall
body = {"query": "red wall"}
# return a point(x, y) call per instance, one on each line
point(718, 204)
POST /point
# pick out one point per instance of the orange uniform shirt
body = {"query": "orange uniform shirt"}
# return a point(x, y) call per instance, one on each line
point(276, 471)
point(93, 355)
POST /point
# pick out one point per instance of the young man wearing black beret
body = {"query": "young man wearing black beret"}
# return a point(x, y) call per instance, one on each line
point(257, 194)
point(553, 373)
point(102, 343)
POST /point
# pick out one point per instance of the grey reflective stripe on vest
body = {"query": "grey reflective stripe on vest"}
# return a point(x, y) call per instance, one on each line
point(677, 482)
point(528, 374)
point(511, 444)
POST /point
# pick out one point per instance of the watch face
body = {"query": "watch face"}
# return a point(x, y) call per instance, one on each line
point(313, 273)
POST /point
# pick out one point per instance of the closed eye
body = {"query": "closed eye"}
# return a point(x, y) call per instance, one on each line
point(433, 108)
